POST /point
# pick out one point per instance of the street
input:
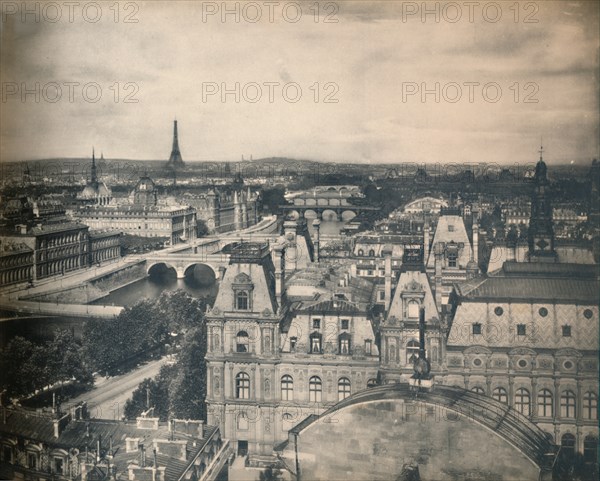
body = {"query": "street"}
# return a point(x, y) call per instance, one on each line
point(107, 399)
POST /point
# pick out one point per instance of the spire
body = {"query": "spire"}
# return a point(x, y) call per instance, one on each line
point(541, 149)
point(94, 173)
point(175, 160)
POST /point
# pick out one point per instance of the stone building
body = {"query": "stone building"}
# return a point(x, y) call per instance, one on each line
point(143, 216)
point(66, 446)
point(29, 254)
point(96, 191)
point(270, 365)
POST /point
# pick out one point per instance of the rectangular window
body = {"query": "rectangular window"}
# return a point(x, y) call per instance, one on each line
point(452, 259)
point(521, 329)
point(382, 295)
point(368, 346)
point(566, 331)
point(58, 465)
point(293, 341)
point(344, 346)
point(315, 344)
point(476, 328)
point(345, 323)
point(32, 460)
point(316, 323)
point(7, 454)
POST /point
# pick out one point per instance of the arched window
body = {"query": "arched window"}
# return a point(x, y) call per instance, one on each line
point(343, 388)
point(242, 341)
point(567, 444)
point(371, 253)
point(545, 403)
point(478, 390)
point(361, 253)
point(242, 386)
point(315, 343)
point(522, 401)
point(590, 449)
point(241, 300)
point(372, 383)
point(315, 389)
point(413, 310)
point(590, 405)
point(412, 352)
point(344, 343)
point(500, 394)
point(567, 404)
point(287, 388)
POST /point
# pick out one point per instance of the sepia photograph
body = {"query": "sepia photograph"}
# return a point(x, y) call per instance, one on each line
point(301, 240)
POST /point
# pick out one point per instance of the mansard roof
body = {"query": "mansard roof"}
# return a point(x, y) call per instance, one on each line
point(413, 282)
point(451, 230)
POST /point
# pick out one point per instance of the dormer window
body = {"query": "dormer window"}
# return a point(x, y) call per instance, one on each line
point(413, 310)
point(344, 344)
point(315, 343)
point(242, 299)
point(316, 324)
point(345, 324)
point(293, 342)
point(452, 258)
point(242, 292)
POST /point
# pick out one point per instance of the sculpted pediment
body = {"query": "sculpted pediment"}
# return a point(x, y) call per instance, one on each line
point(568, 352)
point(477, 350)
point(522, 351)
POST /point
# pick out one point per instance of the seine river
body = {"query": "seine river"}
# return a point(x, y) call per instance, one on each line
point(42, 328)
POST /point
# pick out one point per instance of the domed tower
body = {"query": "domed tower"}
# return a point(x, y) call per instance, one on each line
point(541, 231)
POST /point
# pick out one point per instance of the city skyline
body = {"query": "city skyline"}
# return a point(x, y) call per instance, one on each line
point(374, 59)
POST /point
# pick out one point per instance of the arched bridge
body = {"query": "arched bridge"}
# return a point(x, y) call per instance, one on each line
point(447, 433)
point(328, 209)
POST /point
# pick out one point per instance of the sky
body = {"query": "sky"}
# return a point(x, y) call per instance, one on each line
point(366, 82)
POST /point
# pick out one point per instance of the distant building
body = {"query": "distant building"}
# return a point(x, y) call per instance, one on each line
point(95, 192)
point(143, 216)
point(425, 205)
point(31, 253)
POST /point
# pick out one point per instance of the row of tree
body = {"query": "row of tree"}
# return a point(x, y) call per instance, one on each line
point(139, 330)
point(27, 366)
point(179, 390)
point(107, 345)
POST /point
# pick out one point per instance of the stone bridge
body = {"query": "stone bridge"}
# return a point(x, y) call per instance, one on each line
point(385, 432)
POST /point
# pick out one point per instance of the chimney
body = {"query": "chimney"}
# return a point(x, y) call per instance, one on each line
point(476, 243)
point(317, 227)
point(143, 456)
point(439, 252)
point(279, 250)
point(425, 242)
point(387, 253)
point(289, 230)
point(422, 333)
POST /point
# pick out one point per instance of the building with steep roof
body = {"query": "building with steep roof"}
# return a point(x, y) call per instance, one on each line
point(528, 337)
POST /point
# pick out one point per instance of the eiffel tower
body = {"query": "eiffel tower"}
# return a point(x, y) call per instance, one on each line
point(175, 161)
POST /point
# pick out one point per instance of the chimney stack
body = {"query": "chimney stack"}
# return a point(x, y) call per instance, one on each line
point(317, 227)
point(387, 253)
point(476, 243)
point(439, 253)
point(279, 250)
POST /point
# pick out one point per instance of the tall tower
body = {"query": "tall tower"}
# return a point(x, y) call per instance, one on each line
point(94, 172)
point(541, 231)
point(175, 161)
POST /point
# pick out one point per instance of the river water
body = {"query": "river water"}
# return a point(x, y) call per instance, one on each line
point(42, 328)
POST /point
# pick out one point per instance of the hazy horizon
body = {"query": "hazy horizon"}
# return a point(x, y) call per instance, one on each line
point(357, 76)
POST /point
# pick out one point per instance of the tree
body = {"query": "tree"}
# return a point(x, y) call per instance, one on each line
point(151, 393)
point(188, 387)
point(21, 366)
